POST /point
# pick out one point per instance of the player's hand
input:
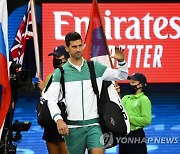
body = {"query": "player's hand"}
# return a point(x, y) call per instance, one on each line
point(62, 127)
point(119, 54)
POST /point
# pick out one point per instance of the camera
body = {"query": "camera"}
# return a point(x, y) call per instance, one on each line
point(17, 127)
point(21, 126)
point(20, 80)
point(11, 137)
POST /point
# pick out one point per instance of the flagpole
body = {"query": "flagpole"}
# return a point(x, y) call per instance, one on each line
point(36, 44)
point(104, 34)
point(116, 83)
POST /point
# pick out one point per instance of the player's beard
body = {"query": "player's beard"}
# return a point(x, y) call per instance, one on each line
point(77, 55)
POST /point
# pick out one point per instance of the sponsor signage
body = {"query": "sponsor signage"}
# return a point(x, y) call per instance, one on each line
point(149, 33)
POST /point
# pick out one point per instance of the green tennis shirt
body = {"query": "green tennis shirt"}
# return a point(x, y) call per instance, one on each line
point(138, 108)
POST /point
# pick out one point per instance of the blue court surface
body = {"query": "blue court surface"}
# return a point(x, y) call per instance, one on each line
point(163, 135)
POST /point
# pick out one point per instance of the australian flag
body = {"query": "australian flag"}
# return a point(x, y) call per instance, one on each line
point(5, 91)
point(22, 51)
point(95, 41)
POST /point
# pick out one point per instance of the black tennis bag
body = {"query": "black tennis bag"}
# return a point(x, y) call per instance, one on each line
point(113, 118)
point(112, 115)
point(44, 118)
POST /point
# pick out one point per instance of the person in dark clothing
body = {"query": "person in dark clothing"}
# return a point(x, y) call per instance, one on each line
point(54, 141)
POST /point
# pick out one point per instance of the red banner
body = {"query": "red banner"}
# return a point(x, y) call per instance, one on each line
point(149, 33)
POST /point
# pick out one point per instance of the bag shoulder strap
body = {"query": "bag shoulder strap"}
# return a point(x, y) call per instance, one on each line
point(48, 84)
point(61, 81)
point(93, 77)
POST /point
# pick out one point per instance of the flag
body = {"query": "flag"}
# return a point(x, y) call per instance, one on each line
point(95, 41)
point(22, 51)
point(5, 91)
